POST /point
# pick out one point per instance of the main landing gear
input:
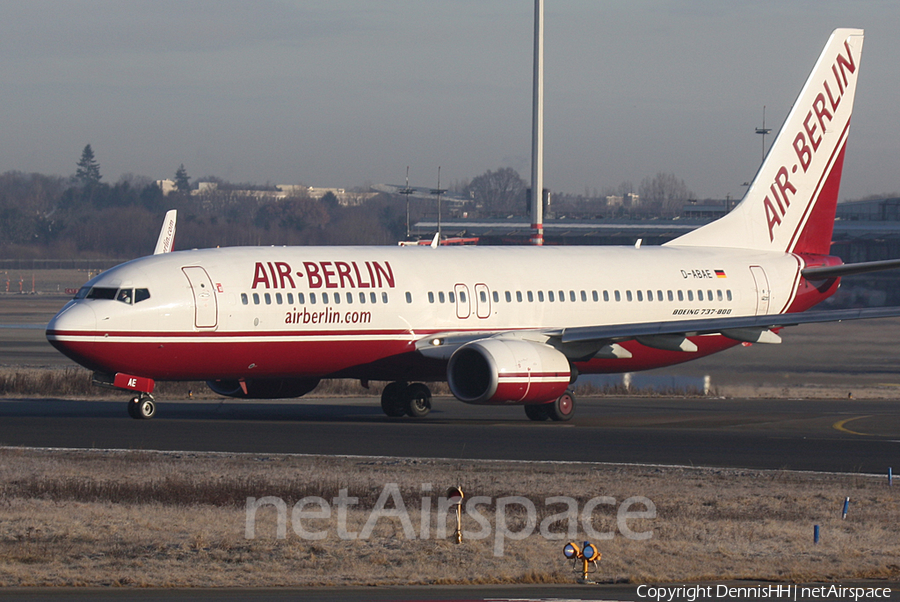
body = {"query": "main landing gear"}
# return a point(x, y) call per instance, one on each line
point(142, 407)
point(560, 410)
point(402, 399)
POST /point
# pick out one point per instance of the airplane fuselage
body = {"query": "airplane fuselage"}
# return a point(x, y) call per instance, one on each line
point(272, 312)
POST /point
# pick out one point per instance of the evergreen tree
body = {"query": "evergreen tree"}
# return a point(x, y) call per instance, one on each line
point(182, 181)
point(88, 172)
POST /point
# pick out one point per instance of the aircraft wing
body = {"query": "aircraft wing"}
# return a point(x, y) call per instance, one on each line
point(584, 342)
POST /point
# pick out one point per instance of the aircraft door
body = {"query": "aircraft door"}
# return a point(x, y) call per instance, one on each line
point(482, 301)
point(206, 311)
point(462, 301)
point(763, 294)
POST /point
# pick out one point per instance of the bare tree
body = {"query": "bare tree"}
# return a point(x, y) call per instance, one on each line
point(501, 191)
point(666, 192)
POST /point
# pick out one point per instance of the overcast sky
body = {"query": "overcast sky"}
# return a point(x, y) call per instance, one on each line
point(349, 92)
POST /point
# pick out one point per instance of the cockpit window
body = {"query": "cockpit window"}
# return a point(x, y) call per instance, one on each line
point(100, 292)
point(128, 296)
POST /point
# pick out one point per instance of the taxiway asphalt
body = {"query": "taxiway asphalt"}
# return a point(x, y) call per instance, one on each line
point(822, 435)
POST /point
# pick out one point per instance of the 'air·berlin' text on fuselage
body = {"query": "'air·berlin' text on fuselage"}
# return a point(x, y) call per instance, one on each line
point(324, 274)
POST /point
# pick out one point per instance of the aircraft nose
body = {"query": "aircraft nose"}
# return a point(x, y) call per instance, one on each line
point(72, 330)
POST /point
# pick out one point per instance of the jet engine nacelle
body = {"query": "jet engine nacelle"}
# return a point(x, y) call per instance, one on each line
point(507, 371)
point(276, 388)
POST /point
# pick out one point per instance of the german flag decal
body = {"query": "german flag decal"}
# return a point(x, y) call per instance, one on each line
point(721, 274)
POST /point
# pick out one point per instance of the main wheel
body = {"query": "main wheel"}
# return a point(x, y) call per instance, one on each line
point(393, 399)
point(418, 400)
point(537, 412)
point(563, 408)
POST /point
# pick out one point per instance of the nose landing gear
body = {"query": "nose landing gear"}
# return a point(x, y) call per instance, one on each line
point(142, 407)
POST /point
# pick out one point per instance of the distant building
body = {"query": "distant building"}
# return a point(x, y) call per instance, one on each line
point(878, 210)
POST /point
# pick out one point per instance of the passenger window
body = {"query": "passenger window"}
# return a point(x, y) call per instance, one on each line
point(482, 296)
point(670, 296)
point(496, 297)
point(300, 299)
point(384, 298)
point(530, 297)
point(594, 295)
point(550, 296)
point(462, 296)
point(290, 298)
point(451, 297)
point(312, 298)
point(659, 295)
point(268, 298)
point(349, 297)
point(362, 298)
point(373, 298)
point(409, 297)
point(709, 295)
point(690, 295)
point(640, 296)
point(680, 296)
point(719, 294)
point(337, 298)
point(584, 296)
point(628, 296)
point(325, 298)
point(728, 295)
point(441, 297)
point(279, 299)
point(562, 295)
point(699, 295)
point(245, 299)
point(649, 295)
point(618, 296)
point(255, 298)
point(519, 296)
point(572, 296)
point(430, 297)
point(606, 295)
point(541, 296)
point(508, 297)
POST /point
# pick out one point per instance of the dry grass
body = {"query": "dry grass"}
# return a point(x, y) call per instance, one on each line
point(178, 519)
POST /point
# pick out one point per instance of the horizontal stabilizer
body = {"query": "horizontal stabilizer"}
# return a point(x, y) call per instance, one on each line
point(848, 269)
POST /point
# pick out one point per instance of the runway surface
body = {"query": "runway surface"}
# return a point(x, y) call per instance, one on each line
point(836, 435)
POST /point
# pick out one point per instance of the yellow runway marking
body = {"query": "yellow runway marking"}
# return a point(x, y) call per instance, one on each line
point(839, 425)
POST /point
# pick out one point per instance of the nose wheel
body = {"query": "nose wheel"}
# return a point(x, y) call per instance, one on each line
point(142, 407)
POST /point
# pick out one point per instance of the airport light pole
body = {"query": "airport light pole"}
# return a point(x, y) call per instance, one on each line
point(537, 129)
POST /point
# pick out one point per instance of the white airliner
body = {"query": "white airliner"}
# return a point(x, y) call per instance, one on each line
point(503, 325)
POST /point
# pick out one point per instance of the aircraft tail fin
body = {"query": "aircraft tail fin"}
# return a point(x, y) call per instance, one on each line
point(166, 239)
point(790, 205)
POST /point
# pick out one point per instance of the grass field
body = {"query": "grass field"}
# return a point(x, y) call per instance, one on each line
point(180, 519)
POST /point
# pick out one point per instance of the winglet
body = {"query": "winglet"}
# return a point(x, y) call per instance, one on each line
point(166, 239)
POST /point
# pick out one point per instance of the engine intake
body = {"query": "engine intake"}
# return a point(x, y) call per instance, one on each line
point(276, 388)
point(507, 371)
